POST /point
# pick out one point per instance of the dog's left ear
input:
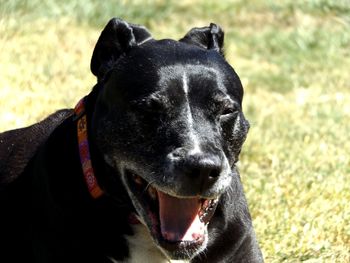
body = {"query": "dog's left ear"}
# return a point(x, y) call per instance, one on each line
point(211, 37)
point(117, 38)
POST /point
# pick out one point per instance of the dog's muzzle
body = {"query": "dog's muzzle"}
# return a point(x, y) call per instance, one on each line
point(178, 206)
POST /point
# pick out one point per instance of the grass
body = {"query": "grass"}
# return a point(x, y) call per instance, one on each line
point(293, 57)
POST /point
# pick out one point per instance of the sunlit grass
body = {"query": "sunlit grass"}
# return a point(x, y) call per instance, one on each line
point(295, 169)
point(293, 58)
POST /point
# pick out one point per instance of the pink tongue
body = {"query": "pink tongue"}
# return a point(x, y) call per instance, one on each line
point(179, 220)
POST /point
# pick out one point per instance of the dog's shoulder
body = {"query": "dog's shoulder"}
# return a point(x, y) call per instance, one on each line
point(18, 146)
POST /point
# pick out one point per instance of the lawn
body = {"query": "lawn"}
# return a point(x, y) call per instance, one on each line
point(293, 57)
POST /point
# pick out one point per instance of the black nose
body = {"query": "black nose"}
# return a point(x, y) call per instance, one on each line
point(202, 166)
point(199, 170)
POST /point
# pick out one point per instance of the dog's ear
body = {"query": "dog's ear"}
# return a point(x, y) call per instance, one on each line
point(211, 37)
point(116, 38)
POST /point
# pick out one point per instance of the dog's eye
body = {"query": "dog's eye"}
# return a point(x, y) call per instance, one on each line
point(229, 109)
point(153, 103)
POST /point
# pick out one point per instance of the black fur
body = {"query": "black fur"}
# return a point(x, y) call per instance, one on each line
point(135, 124)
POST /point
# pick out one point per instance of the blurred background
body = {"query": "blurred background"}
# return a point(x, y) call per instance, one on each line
point(293, 57)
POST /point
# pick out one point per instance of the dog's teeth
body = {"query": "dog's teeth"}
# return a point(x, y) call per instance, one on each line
point(205, 204)
point(152, 192)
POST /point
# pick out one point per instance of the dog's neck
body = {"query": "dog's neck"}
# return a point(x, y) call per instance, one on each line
point(143, 249)
point(85, 158)
point(84, 151)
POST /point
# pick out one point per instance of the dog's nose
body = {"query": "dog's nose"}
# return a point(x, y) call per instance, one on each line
point(201, 166)
point(200, 170)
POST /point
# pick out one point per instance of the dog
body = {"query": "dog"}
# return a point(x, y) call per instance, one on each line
point(143, 169)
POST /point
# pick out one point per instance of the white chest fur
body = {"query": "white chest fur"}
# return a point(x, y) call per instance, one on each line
point(143, 250)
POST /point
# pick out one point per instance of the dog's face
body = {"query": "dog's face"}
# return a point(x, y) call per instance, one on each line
point(168, 119)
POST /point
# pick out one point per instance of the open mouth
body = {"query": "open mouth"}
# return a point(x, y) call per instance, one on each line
point(177, 224)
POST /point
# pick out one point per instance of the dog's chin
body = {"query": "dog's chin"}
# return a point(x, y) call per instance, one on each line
point(178, 225)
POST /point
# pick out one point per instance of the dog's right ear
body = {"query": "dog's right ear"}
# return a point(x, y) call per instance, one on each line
point(210, 37)
point(116, 39)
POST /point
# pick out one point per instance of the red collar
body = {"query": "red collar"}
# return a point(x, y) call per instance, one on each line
point(84, 151)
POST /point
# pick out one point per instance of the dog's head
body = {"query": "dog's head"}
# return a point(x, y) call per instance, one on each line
point(168, 119)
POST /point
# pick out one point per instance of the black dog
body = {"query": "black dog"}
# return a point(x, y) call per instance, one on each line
point(143, 170)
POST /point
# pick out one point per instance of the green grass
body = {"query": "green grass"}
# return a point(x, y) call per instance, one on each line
point(293, 57)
